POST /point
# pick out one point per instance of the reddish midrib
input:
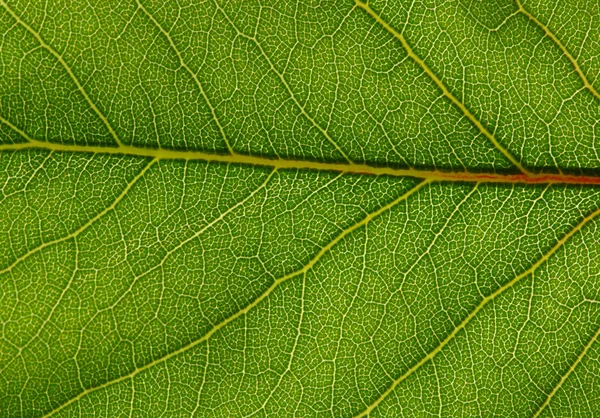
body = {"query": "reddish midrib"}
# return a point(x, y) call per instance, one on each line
point(282, 164)
point(523, 178)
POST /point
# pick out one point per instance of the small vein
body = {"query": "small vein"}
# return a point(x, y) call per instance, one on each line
point(87, 224)
point(486, 300)
point(441, 230)
point(441, 85)
point(194, 236)
point(248, 307)
point(568, 373)
point(285, 84)
point(68, 69)
point(190, 72)
point(288, 368)
point(563, 49)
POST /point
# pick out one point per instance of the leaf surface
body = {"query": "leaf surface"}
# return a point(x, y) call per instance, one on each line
point(238, 208)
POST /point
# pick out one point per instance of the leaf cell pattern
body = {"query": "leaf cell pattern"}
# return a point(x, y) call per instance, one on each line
point(299, 208)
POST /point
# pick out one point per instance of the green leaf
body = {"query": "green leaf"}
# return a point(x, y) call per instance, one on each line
point(279, 208)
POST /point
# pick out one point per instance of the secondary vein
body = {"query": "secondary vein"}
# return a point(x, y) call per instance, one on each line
point(167, 35)
point(485, 301)
point(86, 225)
point(251, 305)
point(67, 68)
point(563, 49)
point(568, 373)
point(286, 85)
point(441, 85)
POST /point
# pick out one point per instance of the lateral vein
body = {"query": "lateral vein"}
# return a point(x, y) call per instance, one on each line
point(190, 72)
point(251, 305)
point(441, 85)
point(285, 84)
point(86, 225)
point(486, 300)
point(563, 49)
point(67, 68)
point(568, 373)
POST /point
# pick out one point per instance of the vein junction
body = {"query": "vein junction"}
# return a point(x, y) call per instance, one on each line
point(442, 86)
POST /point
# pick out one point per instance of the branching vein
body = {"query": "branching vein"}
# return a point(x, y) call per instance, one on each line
point(67, 68)
point(251, 305)
point(485, 301)
point(441, 85)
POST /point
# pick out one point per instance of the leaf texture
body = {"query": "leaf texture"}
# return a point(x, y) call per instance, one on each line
point(299, 208)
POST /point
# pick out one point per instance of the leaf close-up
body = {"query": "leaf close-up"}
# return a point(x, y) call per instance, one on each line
point(239, 208)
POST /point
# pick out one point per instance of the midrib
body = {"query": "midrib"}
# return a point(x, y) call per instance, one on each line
point(353, 168)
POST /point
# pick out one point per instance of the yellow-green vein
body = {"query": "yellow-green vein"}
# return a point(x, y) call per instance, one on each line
point(441, 85)
point(563, 49)
point(285, 84)
point(86, 225)
point(475, 311)
point(67, 68)
point(190, 72)
point(251, 305)
point(567, 374)
point(283, 164)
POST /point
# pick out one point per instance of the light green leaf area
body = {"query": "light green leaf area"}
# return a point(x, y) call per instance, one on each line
point(299, 208)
